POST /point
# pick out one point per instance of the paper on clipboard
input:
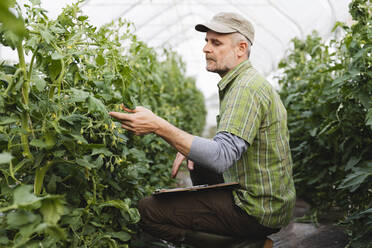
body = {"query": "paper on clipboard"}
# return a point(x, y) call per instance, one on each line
point(196, 188)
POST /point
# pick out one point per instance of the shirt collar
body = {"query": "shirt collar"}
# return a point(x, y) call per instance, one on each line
point(232, 74)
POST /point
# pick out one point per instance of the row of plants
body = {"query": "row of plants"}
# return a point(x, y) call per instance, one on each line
point(70, 176)
point(327, 90)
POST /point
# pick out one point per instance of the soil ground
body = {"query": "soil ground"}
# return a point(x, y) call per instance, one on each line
point(297, 234)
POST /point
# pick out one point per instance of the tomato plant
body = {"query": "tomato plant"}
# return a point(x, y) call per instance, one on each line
point(327, 89)
point(71, 176)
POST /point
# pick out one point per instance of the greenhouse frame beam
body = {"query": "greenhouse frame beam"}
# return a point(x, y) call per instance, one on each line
point(85, 3)
point(264, 49)
point(128, 9)
point(261, 26)
point(156, 15)
point(169, 26)
point(333, 12)
point(298, 27)
point(182, 31)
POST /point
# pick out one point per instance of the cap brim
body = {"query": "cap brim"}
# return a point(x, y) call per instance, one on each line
point(216, 27)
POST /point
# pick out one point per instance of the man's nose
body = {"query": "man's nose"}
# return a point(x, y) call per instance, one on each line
point(207, 48)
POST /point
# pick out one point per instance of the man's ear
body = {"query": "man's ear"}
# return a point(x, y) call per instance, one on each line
point(242, 48)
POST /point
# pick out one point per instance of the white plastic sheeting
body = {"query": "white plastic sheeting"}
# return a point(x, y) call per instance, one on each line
point(170, 23)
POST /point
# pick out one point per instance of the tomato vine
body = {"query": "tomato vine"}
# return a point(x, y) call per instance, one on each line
point(327, 89)
point(71, 176)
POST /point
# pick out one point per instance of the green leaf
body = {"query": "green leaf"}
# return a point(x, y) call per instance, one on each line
point(10, 21)
point(369, 118)
point(365, 99)
point(98, 162)
point(59, 153)
point(368, 211)
point(82, 18)
point(123, 236)
point(313, 132)
point(56, 232)
point(134, 215)
point(49, 139)
point(100, 60)
point(4, 240)
point(21, 164)
point(2, 104)
point(95, 105)
point(39, 82)
point(27, 230)
point(54, 68)
point(38, 143)
point(52, 184)
point(79, 138)
point(5, 157)
point(35, 2)
point(24, 198)
point(352, 162)
point(4, 120)
point(128, 101)
point(19, 218)
point(57, 56)
point(115, 203)
point(52, 210)
point(79, 95)
point(86, 162)
point(102, 150)
point(71, 119)
point(47, 36)
point(353, 181)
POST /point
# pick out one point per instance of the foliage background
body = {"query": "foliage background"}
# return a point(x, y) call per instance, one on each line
point(327, 90)
point(70, 176)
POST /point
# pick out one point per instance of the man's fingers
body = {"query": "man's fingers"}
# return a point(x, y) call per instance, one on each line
point(176, 164)
point(190, 164)
point(175, 169)
point(127, 127)
point(128, 123)
point(120, 116)
point(127, 109)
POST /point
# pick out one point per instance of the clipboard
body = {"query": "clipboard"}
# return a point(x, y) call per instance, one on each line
point(232, 185)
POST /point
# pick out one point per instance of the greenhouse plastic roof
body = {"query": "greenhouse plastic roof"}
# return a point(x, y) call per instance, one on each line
point(171, 23)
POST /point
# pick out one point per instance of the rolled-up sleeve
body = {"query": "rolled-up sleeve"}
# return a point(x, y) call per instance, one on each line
point(218, 153)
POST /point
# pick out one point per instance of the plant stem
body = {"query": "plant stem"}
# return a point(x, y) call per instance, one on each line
point(31, 65)
point(22, 64)
point(24, 136)
point(51, 91)
point(60, 78)
point(24, 114)
point(87, 44)
point(39, 177)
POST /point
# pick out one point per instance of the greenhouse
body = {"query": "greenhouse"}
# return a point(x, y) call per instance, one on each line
point(181, 124)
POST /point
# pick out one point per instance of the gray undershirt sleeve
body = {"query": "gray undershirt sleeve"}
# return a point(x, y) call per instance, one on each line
point(218, 153)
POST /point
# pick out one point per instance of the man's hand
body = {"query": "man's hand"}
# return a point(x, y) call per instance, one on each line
point(140, 120)
point(177, 163)
point(143, 121)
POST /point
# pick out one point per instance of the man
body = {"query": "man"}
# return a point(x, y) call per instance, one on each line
point(251, 147)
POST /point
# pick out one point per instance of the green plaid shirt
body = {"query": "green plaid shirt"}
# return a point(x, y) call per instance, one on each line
point(251, 109)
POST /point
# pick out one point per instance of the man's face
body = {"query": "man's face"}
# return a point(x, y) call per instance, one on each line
point(219, 52)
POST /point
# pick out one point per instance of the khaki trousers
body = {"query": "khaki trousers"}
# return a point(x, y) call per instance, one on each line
point(169, 217)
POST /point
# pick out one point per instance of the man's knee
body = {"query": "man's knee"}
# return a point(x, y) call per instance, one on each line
point(143, 206)
point(151, 209)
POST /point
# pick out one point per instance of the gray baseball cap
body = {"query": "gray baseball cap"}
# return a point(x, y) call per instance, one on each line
point(227, 22)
